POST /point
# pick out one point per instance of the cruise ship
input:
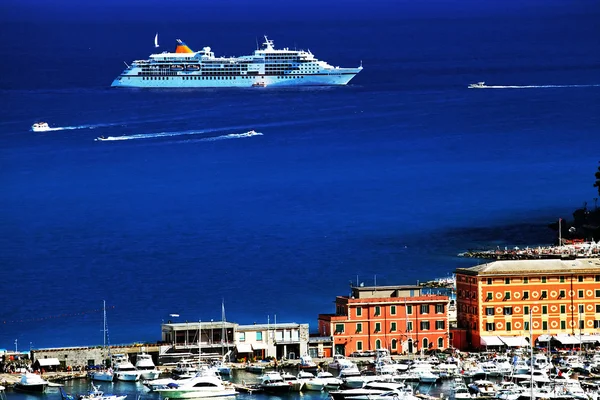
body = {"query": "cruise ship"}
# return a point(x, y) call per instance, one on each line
point(268, 66)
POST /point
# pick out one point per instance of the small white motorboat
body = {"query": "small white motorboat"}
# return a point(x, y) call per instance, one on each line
point(40, 127)
point(478, 85)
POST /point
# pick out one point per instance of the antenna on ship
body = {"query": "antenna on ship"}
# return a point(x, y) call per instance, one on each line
point(256, 42)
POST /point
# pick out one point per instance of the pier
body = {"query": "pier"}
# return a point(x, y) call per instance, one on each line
point(569, 250)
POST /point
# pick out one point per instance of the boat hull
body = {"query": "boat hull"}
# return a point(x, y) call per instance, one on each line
point(195, 394)
point(37, 388)
point(191, 80)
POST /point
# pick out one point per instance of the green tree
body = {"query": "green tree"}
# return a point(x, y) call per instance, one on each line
point(597, 184)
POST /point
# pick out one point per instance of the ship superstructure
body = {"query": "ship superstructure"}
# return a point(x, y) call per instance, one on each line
point(266, 67)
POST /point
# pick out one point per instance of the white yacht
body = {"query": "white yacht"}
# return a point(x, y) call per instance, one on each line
point(31, 383)
point(267, 66)
point(124, 370)
point(199, 386)
point(478, 85)
point(331, 382)
point(368, 391)
point(146, 367)
point(40, 127)
point(272, 382)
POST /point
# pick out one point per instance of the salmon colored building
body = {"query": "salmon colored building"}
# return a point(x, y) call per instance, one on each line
point(496, 301)
point(399, 318)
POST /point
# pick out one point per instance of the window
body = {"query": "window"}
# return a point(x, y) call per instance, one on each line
point(506, 295)
point(597, 278)
point(507, 310)
point(581, 309)
point(597, 308)
point(439, 308)
point(489, 311)
point(259, 336)
point(545, 325)
point(526, 325)
point(359, 311)
point(580, 294)
point(525, 294)
point(489, 326)
point(526, 311)
point(562, 279)
point(544, 294)
point(409, 326)
point(543, 279)
point(596, 323)
point(563, 308)
point(359, 327)
point(440, 343)
point(489, 296)
point(409, 310)
point(489, 281)
point(394, 344)
point(378, 344)
point(507, 281)
point(424, 308)
point(544, 309)
point(563, 325)
point(424, 325)
point(377, 310)
point(580, 278)
point(508, 327)
point(242, 336)
point(561, 294)
point(392, 310)
point(359, 346)
point(581, 323)
point(525, 280)
point(440, 325)
point(597, 292)
point(339, 328)
point(393, 327)
point(377, 326)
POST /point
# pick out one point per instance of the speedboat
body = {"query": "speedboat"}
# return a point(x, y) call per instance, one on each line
point(100, 139)
point(40, 127)
point(31, 383)
point(272, 382)
point(200, 386)
point(259, 84)
point(96, 394)
point(368, 391)
point(478, 85)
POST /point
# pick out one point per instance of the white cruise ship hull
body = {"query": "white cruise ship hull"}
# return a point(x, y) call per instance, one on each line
point(198, 81)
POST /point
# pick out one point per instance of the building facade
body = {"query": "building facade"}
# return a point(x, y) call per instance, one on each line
point(398, 318)
point(513, 299)
point(288, 340)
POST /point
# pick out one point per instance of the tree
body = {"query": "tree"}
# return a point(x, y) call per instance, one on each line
point(597, 184)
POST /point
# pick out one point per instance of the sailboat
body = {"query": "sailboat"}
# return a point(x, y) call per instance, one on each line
point(156, 40)
point(105, 375)
point(221, 367)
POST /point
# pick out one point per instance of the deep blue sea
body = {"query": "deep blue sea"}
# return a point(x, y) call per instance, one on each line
point(383, 181)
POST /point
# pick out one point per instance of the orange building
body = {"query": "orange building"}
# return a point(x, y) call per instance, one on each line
point(398, 318)
point(497, 300)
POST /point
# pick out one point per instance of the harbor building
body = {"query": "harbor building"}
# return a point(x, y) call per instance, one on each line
point(502, 303)
point(401, 319)
point(233, 341)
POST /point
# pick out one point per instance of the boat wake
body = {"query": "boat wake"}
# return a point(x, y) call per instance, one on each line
point(534, 86)
point(179, 133)
point(69, 128)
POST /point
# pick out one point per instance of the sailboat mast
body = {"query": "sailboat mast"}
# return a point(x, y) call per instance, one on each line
point(104, 328)
point(223, 327)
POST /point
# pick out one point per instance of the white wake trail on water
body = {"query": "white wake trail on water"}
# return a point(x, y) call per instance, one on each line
point(535, 86)
point(69, 128)
point(178, 133)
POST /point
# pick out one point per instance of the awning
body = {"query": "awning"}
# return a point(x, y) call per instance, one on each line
point(566, 339)
point(514, 341)
point(243, 348)
point(259, 346)
point(48, 362)
point(590, 338)
point(543, 338)
point(491, 341)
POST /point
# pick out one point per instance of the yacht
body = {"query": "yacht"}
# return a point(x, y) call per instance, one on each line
point(124, 370)
point(483, 388)
point(200, 386)
point(31, 383)
point(295, 382)
point(368, 391)
point(96, 394)
point(478, 85)
point(306, 361)
point(146, 367)
point(267, 66)
point(272, 382)
point(311, 383)
point(331, 382)
point(40, 127)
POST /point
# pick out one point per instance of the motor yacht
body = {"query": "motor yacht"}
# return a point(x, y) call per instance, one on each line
point(200, 386)
point(478, 85)
point(31, 383)
point(40, 127)
point(146, 367)
point(368, 391)
point(273, 382)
